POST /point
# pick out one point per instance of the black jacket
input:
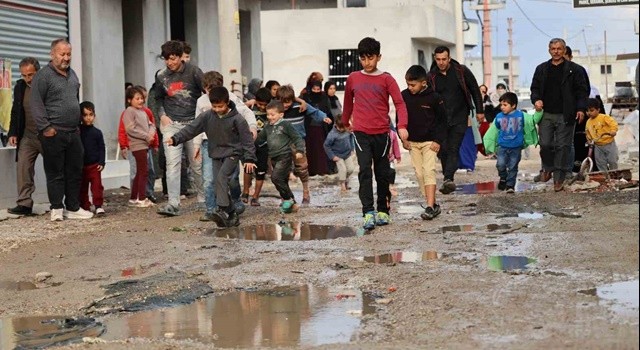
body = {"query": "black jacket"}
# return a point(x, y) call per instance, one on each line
point(17, 125)
point(427, 116)
point(575, 90)
point(468, 83)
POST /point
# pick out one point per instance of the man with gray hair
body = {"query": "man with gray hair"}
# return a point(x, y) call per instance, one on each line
point(560, 88)
point(56, 110)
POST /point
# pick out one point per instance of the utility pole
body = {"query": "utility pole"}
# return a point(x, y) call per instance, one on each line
point(486, 43)
point(510, 42)
point(606, 71)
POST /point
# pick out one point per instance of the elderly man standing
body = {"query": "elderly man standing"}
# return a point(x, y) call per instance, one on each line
point(24, 135)
point(56, 111)
point(560, 88)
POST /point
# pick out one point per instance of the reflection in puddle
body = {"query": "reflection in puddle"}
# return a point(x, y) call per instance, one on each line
point(288, 231)
point(289, 316)
point(621, 296)
point(401, 257)
point(492, 187)
point(37, 332)
point(508, 263)
point(472, 228)
point(19, 285)
point(532, 216)
point(457, 228)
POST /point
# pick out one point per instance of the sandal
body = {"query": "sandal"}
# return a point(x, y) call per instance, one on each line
point(254, 202)
point(245, 198)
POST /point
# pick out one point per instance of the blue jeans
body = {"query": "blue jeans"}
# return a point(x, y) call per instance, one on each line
point(507, 164)
point(173, 156)
point(209, 180)
point(151, 180)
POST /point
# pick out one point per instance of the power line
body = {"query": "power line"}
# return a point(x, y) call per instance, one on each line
point(530, 21)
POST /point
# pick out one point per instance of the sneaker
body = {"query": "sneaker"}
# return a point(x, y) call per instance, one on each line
point(447, 187)
point(382, 219)
point(57, 215)
point(287, 206)
point(152, 198)
point(20, 210)
point(220, 217)
point(169, 210)
point(502, 185)
point(430, 213)
point(369, 221)
point(133, 203)
point(239, 207)
point(511, 190)
point(233, 220)
point(206, 217)
point(99, 211)
point(146, 203)
point(79, 214)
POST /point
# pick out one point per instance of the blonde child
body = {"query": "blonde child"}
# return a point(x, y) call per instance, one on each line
point(340, 148)
point(141, 133)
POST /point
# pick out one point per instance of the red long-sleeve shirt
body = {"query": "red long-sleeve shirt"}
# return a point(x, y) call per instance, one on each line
point(123, 140)
point(366, 102)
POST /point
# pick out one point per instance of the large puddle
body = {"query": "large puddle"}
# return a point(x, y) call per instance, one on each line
point(509, 263)
point(473, 228)
point(287, 231)
point(37, 332)
point(288, 316)
point(621, 297)
point(401, 257)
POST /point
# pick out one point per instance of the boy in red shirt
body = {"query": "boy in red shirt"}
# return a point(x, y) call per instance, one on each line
point(371, 89)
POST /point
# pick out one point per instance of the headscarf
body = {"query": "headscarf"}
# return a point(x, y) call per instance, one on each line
point(253, 86)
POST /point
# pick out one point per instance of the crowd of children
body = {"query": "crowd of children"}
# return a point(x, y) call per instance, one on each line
point(267, 132)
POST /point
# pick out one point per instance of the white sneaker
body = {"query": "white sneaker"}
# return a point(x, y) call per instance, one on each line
point(78, 214)
point(100, 211)
point(133, 202)
point(57, 215)
point(145, 203)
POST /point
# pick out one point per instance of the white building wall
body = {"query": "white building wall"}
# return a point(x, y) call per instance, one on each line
point(604, 83)
point(292, 48)
point(208, 55)
point(154, 35)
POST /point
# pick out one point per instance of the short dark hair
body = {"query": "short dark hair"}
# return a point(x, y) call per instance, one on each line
point(441, 49)
point(171, 47)
point(127, 84)
point(271, 83)
point(30, 61)
point(510, 98)
point(212, 79)
point(55, 42)
point(263, 95)
point(186, 48)
point(416, 73)
point(338, 121)
point(568, 51)
point(219, 94)
point(593, 103)
point(131, 92)
point(286, 93)
point(88, 105)
point(368, 47)
point(277, 105)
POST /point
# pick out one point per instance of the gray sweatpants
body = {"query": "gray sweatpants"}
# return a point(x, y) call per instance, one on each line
point(606, 156)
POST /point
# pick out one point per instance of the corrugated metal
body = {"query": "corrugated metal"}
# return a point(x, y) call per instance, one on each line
point(28, 27)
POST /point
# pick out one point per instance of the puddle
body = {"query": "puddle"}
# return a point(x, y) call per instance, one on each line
point(529, 216)
point(492, 187)
point(473, 228)
point(288, 231)
point(401, 257)
point(17, 286)
point(225, 265)
point(621, 297)
point(508, 263)
point(37, 332)
point(282, 317)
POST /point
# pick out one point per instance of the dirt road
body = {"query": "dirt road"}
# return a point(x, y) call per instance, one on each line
point(527, 270)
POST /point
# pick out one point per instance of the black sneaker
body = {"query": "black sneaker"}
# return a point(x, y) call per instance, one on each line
point(152, 198)
point(502, 185)
point(430, 213)
point(20, 210)
point(447, 187)
point(233, 220)
point(510, 189)
point(220, 217)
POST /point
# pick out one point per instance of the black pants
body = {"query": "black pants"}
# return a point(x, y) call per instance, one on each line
point(63, 156)
point(282, 166)
point(556, 138)
point(223, 170)
point(450, 152)
point(373, 150)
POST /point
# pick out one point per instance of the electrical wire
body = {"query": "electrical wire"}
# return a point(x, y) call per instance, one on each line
point(530, 21)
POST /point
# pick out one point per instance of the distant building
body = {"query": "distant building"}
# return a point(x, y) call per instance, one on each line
point(323, 36)
point(499, 71)
point(604, 71)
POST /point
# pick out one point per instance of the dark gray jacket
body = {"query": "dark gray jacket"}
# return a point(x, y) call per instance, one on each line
point(54, 99)
point(177, 92)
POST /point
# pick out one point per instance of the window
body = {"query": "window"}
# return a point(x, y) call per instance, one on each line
point(341, 63)
point(422, 60)
point(602, 69)
point(505, 66)
point(355, 3)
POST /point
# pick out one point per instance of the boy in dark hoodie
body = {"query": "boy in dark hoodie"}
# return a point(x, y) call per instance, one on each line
point(230, 140)
point(427, 131)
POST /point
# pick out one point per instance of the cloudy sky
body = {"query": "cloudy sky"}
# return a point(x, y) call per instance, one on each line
point(537, 21)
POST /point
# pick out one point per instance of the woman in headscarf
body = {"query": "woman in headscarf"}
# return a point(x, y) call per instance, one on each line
point(253, 86)
point(314, 76)
point(330, 89)
point(316, 132)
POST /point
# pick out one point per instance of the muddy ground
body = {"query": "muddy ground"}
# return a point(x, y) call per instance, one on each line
point(132, 260)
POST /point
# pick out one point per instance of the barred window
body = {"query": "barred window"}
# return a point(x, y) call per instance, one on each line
point(341, 64)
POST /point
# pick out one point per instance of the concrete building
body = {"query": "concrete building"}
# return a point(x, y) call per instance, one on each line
point(323, 36)
point(499, 70)
point(604, 71)
point(118, 41)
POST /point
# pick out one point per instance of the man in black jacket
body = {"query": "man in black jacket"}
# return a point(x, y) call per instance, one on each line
point(560, 88)
point(461, 94)
point(23, 134)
